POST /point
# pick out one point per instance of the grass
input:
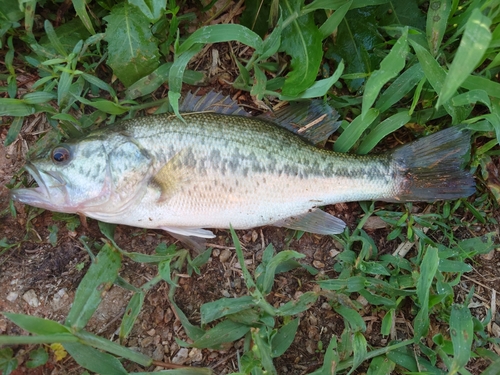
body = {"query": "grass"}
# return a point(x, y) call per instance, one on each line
point(385, 66)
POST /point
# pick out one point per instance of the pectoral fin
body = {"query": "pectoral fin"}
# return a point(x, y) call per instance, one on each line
point(315, 221)
point(194, 238)
point(173, 175)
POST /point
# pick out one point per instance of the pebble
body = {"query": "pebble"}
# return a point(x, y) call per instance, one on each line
point(31, 298)
point(225, 255)
point(145, 342)
point(181, 356)
point(158, 353)
point(12, 296)
point(196, 355)
point(318, 264)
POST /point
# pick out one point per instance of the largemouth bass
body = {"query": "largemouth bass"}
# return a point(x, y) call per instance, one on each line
point(214, 170)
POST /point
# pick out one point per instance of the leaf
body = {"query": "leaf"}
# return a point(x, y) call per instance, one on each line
point(131, 313)
point(38, 357)
point(14, 130)
point(132, 50)
point(333, 22)
point(36, 325)
point(353, 131)
point(475, 41)
point(152, 9)
point(331, 359)
point(98, 279)
point(302, 41)
point(390, 66)
point(15, 107)
point(319, 88)
point(352, 317)
point(428, 270)
point(401, 13)
point(284, 338)
point(256, 14)
point(59, 352)
point(381, 366)
point(81, 10)
point(211, 311)
point(95, 360)
point(357, 35)
point(359, 347)
point(227, 331)
point(383, 129)
point(437, 20)
point(7, 361)
point(462, 334)
point(10, 12)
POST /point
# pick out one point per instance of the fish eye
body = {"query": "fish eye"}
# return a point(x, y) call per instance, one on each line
point(61, 155)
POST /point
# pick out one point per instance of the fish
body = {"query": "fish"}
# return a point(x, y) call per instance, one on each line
point(219, 167)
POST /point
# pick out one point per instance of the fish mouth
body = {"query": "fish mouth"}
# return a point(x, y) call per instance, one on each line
point(49, 194)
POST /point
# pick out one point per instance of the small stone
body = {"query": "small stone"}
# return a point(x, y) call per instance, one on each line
point(195, 355)
point(225, 255)
point(181, 356)
point(12, 296)
point(151, 332)
point(310, 347)
point(158, 353)
point(145, 342)
point(255, 235)
point(31, 298)
point(318, 264)
point(495, 329)
point(333, 253)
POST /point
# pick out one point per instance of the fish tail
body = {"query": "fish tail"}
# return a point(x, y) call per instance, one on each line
point(432, 168)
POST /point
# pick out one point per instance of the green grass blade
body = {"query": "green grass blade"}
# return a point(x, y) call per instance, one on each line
point(38, 326)
point(226, 331)
point(400, 87)
point(331, 24)
point(437, 20)
point(390, 66)
point(428, 270)
point(381, 366)
point(38, 339)
point(353, 131)
point(284, 338)
point(100, 277)
point(475, 41)
point(131, 313)
point(480, 83)
point(360, 351)
point(14, 130)
point(386, 127)
point(222, 33)
point(81, 10)
point(224, 306)
point(462, 334)
point(95, 360)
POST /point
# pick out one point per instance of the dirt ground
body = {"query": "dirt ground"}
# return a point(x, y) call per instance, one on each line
point(40, 279)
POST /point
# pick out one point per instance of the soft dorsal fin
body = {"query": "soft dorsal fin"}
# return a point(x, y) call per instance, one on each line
point(314, 221)
point(211, 102)
point(314, 120)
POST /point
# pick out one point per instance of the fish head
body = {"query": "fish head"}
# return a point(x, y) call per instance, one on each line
point(71, 177)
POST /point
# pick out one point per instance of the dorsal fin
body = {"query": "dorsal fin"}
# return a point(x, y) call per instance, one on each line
point(211, 102)
point(314, 120)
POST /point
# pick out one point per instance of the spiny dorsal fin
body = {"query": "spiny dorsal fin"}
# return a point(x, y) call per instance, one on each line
point(314, 120)
point(211, 102)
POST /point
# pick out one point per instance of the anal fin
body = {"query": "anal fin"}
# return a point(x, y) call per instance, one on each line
point(315, 221)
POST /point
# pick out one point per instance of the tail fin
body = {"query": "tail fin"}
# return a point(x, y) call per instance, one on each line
point(431, 168)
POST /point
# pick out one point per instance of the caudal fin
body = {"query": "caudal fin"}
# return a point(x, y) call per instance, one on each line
point(431, 168)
